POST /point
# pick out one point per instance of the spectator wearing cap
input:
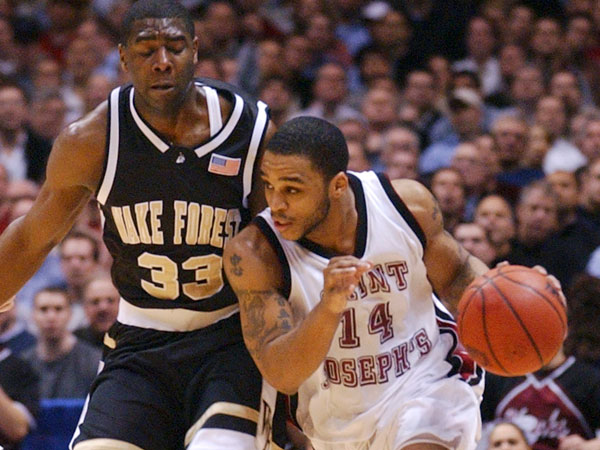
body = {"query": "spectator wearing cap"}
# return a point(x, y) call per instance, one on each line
point(466, 120)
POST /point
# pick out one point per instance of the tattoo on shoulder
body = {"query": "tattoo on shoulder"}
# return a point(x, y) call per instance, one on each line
point(436, 213)
point(465, 274)
point(236, 269)
point(258, 329)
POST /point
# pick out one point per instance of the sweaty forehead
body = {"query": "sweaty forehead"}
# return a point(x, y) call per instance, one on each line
point(154, 28)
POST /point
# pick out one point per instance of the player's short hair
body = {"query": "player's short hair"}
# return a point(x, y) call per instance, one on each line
point(316, 139)
point(156, 9)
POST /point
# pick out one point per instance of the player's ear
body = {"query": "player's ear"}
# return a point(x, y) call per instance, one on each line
point(195, 46)
point(338, 185)
point(122, 61)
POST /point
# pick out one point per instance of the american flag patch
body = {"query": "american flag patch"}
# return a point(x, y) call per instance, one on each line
point(223, 165)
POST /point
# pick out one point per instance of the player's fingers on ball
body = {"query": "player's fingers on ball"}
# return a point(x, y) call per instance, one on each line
point(502, 264)
point(556, 285)
point(541, 269)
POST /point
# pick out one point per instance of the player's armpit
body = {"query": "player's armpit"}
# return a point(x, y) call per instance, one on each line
point(450, 268)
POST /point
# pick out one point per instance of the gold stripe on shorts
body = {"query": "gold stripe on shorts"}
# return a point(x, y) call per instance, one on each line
point(229, 409)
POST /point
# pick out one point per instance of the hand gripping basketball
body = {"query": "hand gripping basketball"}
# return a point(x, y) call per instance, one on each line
point(512, 320)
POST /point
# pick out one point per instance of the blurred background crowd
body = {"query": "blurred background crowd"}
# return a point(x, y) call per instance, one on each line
point(494, 105)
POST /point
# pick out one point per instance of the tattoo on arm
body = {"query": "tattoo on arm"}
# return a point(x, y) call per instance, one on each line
point(235, 261)
point(436, 214)
point(259, 330)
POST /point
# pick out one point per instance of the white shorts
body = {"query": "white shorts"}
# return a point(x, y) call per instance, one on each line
point(445, 413)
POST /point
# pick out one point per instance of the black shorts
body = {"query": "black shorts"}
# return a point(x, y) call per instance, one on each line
point(156, 385)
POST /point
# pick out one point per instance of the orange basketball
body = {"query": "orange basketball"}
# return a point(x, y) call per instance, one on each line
point(511, 320)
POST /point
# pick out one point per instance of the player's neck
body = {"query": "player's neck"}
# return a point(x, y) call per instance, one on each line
point(337, 233)
point(176, 122)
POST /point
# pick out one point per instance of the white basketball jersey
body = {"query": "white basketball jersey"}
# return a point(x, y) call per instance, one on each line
point(394, 339)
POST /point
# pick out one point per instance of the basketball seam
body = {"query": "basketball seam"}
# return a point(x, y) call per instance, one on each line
point(541, 294)
point(518, 317)
point(485, 331)
point(468, 301)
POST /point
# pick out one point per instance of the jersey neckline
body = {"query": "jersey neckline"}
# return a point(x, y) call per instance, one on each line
point(204, 148)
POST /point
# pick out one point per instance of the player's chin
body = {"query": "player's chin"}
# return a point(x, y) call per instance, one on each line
point(291, 233)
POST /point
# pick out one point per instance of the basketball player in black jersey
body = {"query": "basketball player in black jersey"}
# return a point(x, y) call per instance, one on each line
point(171, 161)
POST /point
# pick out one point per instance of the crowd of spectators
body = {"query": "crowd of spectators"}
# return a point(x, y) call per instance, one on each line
point(494, 105)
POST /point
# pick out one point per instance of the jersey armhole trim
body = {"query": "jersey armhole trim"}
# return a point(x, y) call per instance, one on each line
point(112, 148)
point(267, 231)
point(402, 208)
point(258, 134)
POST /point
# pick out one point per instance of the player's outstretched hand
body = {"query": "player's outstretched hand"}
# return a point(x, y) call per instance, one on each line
point(551, 279)
point(341, 277)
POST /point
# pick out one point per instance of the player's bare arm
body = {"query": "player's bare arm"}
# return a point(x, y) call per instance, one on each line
point(287, 349)
point(72, 174)
point(450, 268)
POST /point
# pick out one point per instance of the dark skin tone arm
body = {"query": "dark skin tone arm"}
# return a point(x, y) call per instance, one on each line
point(73, 172)
point(287, 349)
point(450, 268)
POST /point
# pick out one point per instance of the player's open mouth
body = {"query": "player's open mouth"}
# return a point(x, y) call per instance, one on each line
point(281, 225)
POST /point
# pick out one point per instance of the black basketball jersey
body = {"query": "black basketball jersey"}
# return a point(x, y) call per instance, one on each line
point(169, 210)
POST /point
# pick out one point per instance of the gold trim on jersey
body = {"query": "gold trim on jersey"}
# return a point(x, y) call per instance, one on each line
point(109, 342)
point(174, 319)
point(229, 409)
point(105, 444)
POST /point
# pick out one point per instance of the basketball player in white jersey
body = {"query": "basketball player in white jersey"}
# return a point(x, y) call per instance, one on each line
point(337, 282)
